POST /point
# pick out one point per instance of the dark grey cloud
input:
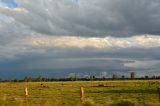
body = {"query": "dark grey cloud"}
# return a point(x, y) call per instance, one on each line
point(27, 48)
point(118, 18)
point(61, 62)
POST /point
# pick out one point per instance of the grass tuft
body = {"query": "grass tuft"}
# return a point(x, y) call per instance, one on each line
point(89, 102)
point(123, 103)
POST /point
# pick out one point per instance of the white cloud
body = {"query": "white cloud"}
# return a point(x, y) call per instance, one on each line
point(43, 43)
point(143, 64)
point(147, 41)
point(143, 41)
point(68, 41)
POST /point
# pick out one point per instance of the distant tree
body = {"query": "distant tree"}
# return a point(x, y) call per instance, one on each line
point(92, 77)
point(153, 77)
point(132, 75)
point(103, 75)
point(103, 78)
point(158, 77)
point(28, 79)
point(15, 80)
point(39, 78)
point(25, 79)
point(122, 77)
point(76, 77)
point(114, 77)
point(146, 77)
point(73, 76)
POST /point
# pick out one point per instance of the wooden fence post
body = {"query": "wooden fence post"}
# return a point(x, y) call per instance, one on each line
point(81, 94)
point(26, 91)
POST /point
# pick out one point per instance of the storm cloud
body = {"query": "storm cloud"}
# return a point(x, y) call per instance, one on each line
point(58, 37)
point(118, 18)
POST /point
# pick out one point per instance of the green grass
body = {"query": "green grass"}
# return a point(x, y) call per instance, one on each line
point(121, 93)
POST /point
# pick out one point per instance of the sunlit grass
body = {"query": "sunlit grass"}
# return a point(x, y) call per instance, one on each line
point(140, 93)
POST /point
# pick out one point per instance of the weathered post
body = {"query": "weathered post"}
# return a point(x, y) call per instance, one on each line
point(81, 94)
point(26, 91)
point(26, 95)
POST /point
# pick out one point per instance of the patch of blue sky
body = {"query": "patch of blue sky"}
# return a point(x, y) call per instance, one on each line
point(76, 1)
point(10, 3)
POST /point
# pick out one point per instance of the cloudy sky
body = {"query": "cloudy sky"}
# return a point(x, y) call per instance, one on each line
point(53, 38)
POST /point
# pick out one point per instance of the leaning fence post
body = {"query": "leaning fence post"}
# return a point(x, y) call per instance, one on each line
point(26, 91)
point(81, 94)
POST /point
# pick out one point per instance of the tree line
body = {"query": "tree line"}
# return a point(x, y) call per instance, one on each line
point(75, 77)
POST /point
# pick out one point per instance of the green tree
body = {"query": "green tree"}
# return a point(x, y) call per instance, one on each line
point(123, 77)
point(132, 75)
point(114, 77)
point(146, 77)
point(92, 77)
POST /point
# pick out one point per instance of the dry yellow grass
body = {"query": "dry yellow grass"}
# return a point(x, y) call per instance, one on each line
point(141, 93)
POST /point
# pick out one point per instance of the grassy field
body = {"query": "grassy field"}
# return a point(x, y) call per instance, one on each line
point(97, 93)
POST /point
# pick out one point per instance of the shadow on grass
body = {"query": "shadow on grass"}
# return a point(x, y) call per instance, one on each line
point(123, 103)
point(125, 91)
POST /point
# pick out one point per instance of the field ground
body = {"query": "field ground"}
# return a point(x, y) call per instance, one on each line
point(98, 93)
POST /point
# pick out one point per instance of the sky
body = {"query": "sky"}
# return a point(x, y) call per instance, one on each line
point(54, 38)
point(9, 3)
